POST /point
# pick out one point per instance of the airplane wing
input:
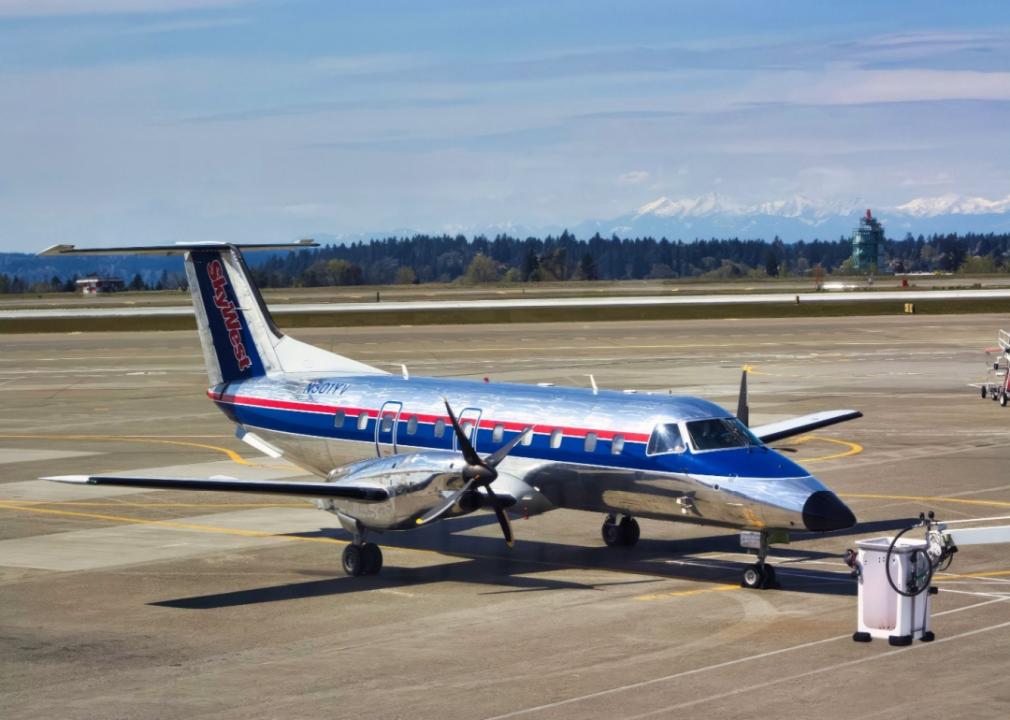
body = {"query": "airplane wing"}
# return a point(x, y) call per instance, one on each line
point(805, 423)
point(361, 493)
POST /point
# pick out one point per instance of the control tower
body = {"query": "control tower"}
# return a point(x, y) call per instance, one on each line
point(868, 245)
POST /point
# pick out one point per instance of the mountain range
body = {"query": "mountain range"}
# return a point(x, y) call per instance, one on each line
point(800, 218)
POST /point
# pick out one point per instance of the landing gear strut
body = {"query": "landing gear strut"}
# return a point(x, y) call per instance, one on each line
point(360, 557)
point(760, 575)
point(623, 532)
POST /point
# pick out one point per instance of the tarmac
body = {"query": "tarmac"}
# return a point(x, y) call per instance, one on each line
point(124, 603)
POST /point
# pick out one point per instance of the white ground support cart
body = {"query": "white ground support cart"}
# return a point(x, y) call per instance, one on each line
point(997, 380)
point(895, 576)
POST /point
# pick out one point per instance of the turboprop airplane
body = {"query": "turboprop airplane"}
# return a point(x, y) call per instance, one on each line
point(511, 448)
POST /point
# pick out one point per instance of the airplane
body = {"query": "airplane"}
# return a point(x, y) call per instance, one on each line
point(511, 448)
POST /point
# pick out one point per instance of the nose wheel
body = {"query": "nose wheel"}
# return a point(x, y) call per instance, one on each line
point(623, 532)
point(760, 575)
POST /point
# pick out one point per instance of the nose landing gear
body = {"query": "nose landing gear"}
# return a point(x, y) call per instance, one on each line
point(760, 575)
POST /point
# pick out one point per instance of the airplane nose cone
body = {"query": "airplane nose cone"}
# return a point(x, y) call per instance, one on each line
point(823, 511)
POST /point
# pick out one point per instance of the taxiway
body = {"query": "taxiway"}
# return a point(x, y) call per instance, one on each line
point(125, 603)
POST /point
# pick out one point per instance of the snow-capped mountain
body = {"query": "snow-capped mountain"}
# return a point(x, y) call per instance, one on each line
point(951, 204)
point(800, 217)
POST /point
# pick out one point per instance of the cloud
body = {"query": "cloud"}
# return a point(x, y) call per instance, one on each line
point(634, 177)
point(43, 8)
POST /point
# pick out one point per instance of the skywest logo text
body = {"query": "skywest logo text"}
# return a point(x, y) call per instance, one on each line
point(228, 313)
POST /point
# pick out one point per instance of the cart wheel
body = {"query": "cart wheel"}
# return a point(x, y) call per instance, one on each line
point(1002, 399)
point(983, 392)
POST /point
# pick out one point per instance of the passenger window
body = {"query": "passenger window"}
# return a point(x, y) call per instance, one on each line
point(362, 421)
point(439, 428)
point(665, 438)
point(590, 442)
point(412, 426)
point(498, 433)
point(387, 423)
point(338, 419)
point(528, 438)
point(556, 438)
point(617, 445)
point(467, 429)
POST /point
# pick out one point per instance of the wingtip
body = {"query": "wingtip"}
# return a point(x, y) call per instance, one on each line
point(71, 479)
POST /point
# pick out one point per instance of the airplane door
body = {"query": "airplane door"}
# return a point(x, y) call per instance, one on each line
point(469, 419)
point(385, 428)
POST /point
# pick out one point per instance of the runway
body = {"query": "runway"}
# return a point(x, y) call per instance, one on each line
point(116, 602)
point(471, 305)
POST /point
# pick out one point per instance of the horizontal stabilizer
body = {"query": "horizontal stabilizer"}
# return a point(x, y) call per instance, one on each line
point(267, 487)
point(805, 423)
point(176, 249)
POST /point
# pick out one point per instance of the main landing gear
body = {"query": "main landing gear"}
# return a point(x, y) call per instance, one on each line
point(620, 531)
point(760, 575)
point(360, 557)
point(364, 559)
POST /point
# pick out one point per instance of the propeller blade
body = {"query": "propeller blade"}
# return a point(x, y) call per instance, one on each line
point(439, 510)
point(469, 454)
point(498, 455)
point(503, 519)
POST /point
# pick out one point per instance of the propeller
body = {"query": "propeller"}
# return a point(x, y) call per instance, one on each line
point(477, 473)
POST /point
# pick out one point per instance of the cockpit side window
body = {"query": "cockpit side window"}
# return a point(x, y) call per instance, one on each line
point(665, 438)
point(720, 434)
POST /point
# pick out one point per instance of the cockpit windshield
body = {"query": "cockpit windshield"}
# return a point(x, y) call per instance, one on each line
point(665, 439)
point(720, 434)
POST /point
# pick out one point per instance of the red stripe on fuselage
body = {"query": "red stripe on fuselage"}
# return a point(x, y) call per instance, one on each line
point(485, 424)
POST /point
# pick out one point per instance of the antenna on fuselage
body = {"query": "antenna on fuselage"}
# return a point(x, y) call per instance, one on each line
point(592, 381)
point(405, 372)
point(742, 409)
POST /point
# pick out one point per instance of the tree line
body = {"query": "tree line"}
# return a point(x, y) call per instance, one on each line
point(455, 258)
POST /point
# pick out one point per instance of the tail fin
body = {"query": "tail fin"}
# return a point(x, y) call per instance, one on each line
point(238, 336)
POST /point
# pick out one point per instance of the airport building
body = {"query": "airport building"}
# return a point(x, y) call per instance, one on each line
point(868, 245)
point(95, 285)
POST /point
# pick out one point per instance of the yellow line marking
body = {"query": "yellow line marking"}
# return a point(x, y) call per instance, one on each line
point(176, 525)
point(929, 498)
point(167, 523)
point(232, 455)
point(853, 448)
point(126, 503)
point(688, 593)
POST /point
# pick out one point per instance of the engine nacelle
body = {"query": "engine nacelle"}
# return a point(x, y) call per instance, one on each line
point(416, 483)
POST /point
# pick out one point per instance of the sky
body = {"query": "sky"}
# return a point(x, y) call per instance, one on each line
point(153, 121)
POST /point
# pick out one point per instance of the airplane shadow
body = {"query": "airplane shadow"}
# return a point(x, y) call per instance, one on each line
point(488, 562)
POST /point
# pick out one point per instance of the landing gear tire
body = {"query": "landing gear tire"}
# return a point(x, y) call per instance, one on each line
point(753, 577)
point(365, 559)
point(611, 532)
point(630, 532)
point(353, 560)
point(1003, 399)
point(620, 534)
point(983, 392)
point(371, 555)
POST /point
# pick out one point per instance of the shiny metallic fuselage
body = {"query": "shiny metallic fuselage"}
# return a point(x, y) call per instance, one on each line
point(318, 422)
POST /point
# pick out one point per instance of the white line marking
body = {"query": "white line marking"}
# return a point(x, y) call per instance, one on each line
point(727, 663)
point(818, 671)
